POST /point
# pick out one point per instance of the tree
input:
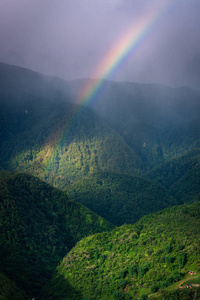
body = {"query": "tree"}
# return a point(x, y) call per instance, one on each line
point(182, 259)
point(154, 288)
point(118, 295)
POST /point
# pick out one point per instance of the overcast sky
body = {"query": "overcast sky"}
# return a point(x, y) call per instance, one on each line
point(71, 38)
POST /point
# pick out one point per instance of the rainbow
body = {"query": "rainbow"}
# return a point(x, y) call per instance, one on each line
point(124, 47)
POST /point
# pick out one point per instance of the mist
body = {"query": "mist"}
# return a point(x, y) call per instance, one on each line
point(70, 38)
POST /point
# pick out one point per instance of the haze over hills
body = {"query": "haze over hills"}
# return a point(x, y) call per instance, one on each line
point(132, 151)
point(43, 132)
point(155, 120)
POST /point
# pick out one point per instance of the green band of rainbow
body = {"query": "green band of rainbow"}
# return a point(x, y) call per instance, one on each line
point(125, 46)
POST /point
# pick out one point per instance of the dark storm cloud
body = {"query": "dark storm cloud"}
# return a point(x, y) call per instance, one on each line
point(69, 38)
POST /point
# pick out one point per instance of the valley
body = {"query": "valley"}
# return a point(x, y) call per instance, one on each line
point(97, 201)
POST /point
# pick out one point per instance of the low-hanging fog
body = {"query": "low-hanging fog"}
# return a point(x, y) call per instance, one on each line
point(70, 38)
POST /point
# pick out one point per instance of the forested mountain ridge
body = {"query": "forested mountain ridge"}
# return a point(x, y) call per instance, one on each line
point(120, 198)
point(38, 226)
point(18, 82)
point(48, 135)
point(181, 176)
point(44, 133)
point(157, 121)
point(133, 150)
point(134, 261)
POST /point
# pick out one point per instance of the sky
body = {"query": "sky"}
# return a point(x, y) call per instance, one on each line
point(145, 41)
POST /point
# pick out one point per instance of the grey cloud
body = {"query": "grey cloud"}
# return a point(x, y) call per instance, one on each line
point(70, 38)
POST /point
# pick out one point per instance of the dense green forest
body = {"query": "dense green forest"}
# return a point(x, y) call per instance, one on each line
point(38, 226)
point(181, 176)
point(68, 171)
point(60, 149)
point(134, 261)
point(8, 289)
point(121, 198)
point(157, 122)
point(44, 133)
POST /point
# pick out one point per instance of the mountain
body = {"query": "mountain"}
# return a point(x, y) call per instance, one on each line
point(129, 130)
point(120, 198)
point(148, 259)
point(180, 176)
point(57, 140)
point(157, 121)
point(133, 150)
point(38, 226)
point(17, 82)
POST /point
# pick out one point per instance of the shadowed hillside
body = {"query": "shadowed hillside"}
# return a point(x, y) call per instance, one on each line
point(135, 129)
point(119, 198)
point(181, 176)
point(98, 154)
point(38, 226)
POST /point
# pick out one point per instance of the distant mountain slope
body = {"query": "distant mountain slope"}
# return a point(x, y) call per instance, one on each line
point(121, 198)
point(45, 135)
point(18, 82)
point(41, 138)
point(181, 176)
point(38, 226)
point(134, 261)
point(157, 121)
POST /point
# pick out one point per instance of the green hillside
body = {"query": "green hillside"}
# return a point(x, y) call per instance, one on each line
point(98, 155)
point(8, 290)
point(38, 226)
point(60, 142)
point(120, 198)
point(181, 176)
point(157, 121)
point(150, 258)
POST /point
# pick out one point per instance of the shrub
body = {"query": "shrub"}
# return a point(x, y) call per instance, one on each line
point(100, 271)
point(123, 273)
point(162, 284)
point(154, 288)
point(169, 259)
point(176, 275)
point(103, 257)
point(181, 247)
point(168, 248)
point(142, 270)
point(109, 246)
point(182, 259)
point(118, 295)
point(169, 280)
point(132, 269)
point(122, 283)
